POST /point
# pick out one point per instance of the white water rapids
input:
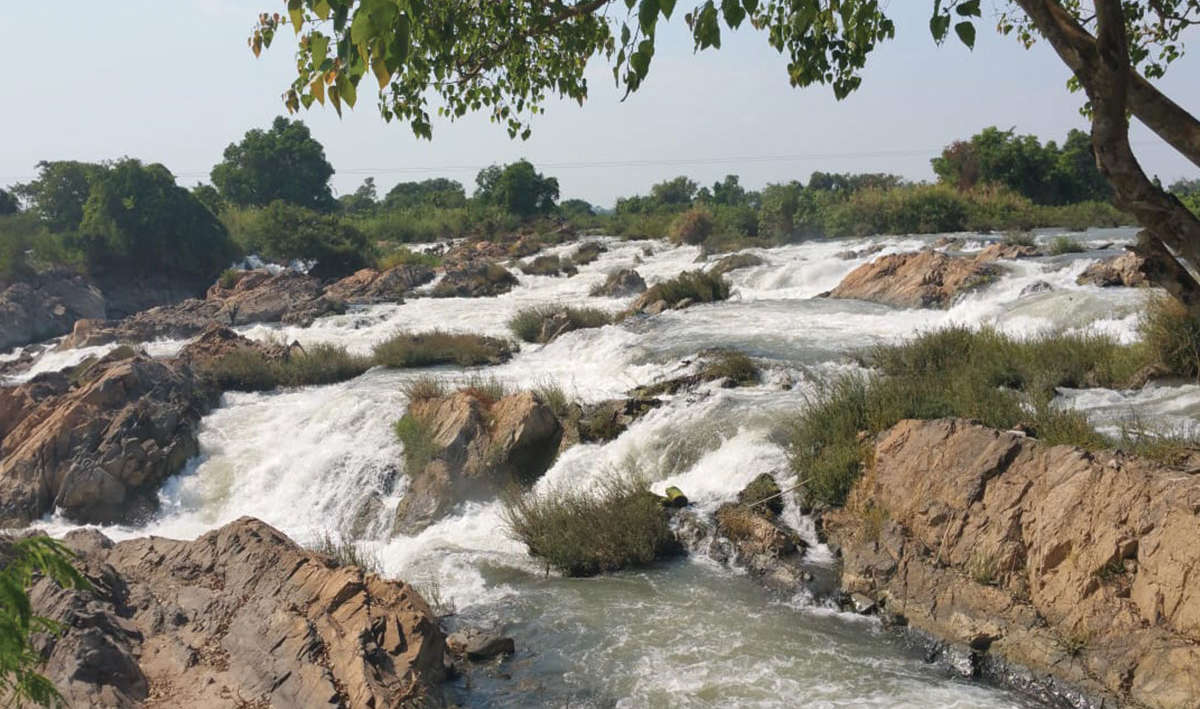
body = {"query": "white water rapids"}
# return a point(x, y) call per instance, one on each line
point(324, 460)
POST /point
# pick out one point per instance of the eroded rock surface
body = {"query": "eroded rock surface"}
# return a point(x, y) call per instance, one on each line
point(96, 443)
point(370, 285)
point(241, 616)
point(475, 448)
point(1126, 269)
point(621, 284)
point(45, 306)
point(917, 279)
point(475, 280)
point(1072, 564)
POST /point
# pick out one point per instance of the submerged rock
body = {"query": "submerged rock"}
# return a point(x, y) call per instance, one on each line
point(474, 448)
point(97, 444)
point(917, 279)
point(1066, 562)
point(241, 616)
point(1127, 269)
point(479, 646)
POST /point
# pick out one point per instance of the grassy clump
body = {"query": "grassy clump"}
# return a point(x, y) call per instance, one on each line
point(1172, 336)
point(347, 553)
point(229, 278)
point(248, 369)
point(739, 369)
point(698, 286)
point(424, 349)
point(423, 388)
point(618, 524)
point(416, 434)
point(1019, 238)
point(528, 323)
point(1000, 381)
point(545, 265)
point(1065, 245)
point(403, 256)
point(763, 496)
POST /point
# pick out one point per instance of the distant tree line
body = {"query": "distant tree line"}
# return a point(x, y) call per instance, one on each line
point(270, 195)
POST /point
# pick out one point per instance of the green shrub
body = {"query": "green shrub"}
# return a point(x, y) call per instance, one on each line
point(416, 435)
point(617, 524)
point(1019, 238)
point(229, 278)
point(407, 257)
point(1065, 245)
point(699, 286)
point(527, 324)
point(282, 232)
point(693, 226)
point(425, 349)
point(247, 369)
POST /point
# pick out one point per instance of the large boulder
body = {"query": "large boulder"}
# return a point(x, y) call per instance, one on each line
point(916, 279)
point(370, 285)
point(476, 447)
point(479, 279)
point(97, 442)
point(1072, 564)
point(1127, 269)
point(241, 616)
point(733, 262)
point(45, 306)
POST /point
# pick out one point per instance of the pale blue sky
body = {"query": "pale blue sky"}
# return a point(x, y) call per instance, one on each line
point(173, 82)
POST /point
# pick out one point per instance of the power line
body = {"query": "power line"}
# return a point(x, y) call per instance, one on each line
point(627, 163)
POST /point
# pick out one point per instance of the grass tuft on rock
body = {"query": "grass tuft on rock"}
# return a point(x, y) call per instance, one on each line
point(732, 365)
point(417, 437)
point(615, 525)
point(404, 256)
point(247, 369)
point(1064, 245)
point(348, 553)
point(542, 323)
point(1001, 381)
point(697, 286)
point(424, 349)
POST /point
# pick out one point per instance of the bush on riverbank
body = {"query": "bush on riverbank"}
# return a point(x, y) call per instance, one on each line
point(426, 349)
point(247, 369)
point(616, 524)
point(1001, 381)
point(543, 323)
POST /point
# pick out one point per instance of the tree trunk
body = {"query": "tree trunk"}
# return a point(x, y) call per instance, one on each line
point(1170, 242)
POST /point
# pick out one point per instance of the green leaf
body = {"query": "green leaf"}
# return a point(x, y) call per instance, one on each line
point(939, 25)
point(318, 44)
point(733, 12)
point(397, 52)
point(966, 32)
point(750, 5)
point(648, 16)
point(360, 28)
point(667, 7)
point(970, 8)
point(321, 8)
point(346, 90)
point(296, 14)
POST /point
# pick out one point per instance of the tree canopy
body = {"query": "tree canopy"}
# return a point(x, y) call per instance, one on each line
point(517, 188)
point(506, 58)
point(285, 163)
point(436, 192)
point(1044, 173)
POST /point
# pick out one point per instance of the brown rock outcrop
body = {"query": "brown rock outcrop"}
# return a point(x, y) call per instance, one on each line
point(255, 296)
point(1072, 564)
point(96, 444)
point(621, 284)
point(1126, 269)
point(917, 279)
point(733, 262)
point(1009, 252)
point(370, 285)
point(476, 447)
point(479, 279)
point(45, 306)
point(241, 616)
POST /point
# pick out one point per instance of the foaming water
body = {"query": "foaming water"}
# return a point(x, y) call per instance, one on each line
point(323, 460)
